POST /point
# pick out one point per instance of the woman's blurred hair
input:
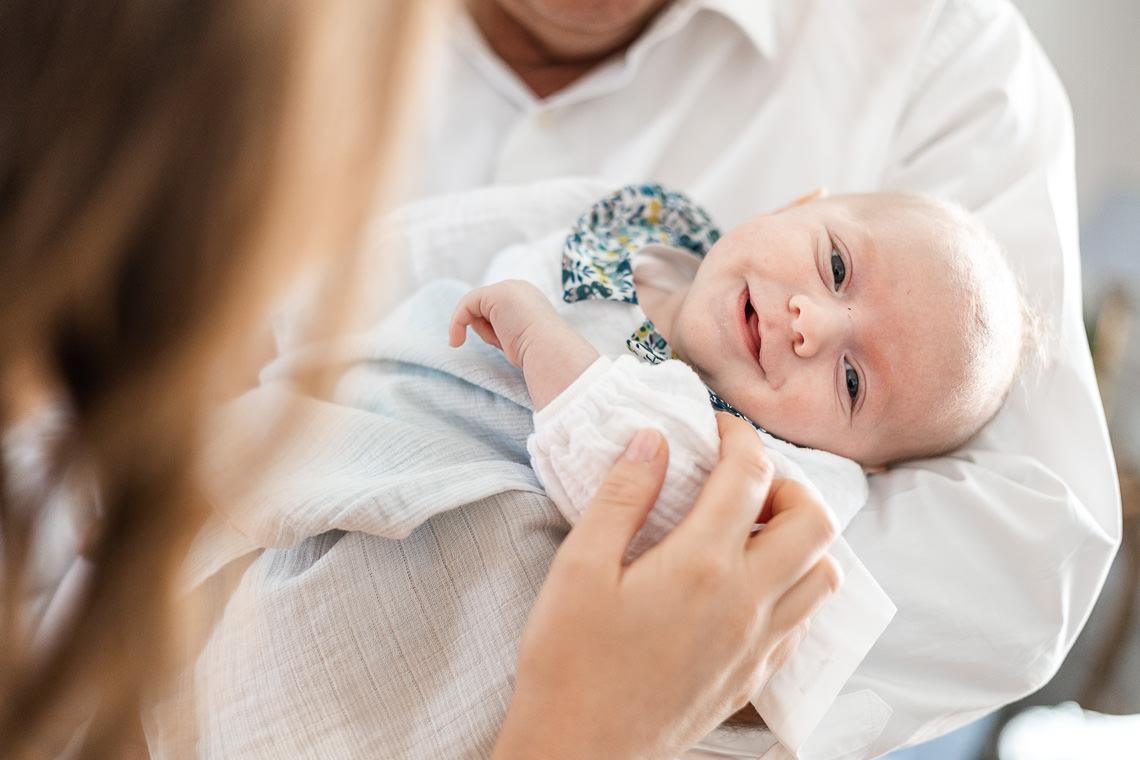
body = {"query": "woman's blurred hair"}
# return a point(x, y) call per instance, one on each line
point(165, 168)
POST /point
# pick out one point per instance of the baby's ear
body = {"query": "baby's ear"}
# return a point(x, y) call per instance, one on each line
point(814, 195)
point(877, 469)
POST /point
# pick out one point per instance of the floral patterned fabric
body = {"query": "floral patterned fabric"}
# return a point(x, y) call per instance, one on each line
point(598, 254)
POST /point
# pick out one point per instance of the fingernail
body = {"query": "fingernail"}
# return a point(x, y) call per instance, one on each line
point(644, 445)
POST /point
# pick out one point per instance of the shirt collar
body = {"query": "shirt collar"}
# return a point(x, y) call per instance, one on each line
point(756, 18)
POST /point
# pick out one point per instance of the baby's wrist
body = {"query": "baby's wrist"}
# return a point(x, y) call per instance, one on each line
point(553, 360)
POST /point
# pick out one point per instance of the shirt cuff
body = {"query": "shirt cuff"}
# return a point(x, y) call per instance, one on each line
point(580, 385)
point(800, 693)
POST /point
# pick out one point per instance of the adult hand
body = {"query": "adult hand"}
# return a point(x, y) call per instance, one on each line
point(643, 660)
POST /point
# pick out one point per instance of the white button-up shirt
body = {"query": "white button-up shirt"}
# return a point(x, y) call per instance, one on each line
point(994, 555)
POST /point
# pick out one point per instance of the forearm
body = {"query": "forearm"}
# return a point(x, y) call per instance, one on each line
point(553, 362)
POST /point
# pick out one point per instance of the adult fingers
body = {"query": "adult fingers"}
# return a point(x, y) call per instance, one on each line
point(785, 495)
point(765, 663)
point(786, 647)
point(728, 503)
point(808, 594)
point(624, 498)
point(799, 530)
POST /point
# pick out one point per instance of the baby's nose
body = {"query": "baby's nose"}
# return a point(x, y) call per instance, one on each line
point(814, 325)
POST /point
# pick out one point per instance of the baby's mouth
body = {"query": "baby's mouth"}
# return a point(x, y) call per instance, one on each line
point(750, 326)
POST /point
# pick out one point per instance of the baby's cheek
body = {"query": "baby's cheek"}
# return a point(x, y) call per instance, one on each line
point(800, 419)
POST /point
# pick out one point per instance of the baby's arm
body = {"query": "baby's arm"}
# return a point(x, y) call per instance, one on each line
point(588, 408)
point(515, 317)
point(581, 433)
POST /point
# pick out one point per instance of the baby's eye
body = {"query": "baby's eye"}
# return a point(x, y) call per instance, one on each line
point(852, 379)
point(838, 269)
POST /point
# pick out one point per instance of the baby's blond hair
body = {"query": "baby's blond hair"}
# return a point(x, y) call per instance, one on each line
point(1000, 329)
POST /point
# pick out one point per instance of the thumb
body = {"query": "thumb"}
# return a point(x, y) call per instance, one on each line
point(625, 497)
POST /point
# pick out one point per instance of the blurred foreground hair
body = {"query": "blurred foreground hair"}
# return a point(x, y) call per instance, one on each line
point(165, 168)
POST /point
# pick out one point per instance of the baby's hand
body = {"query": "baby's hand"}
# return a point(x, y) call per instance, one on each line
point(515, 317)
point(510, 315)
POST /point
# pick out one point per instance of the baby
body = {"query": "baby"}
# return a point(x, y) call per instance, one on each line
point(880, 327)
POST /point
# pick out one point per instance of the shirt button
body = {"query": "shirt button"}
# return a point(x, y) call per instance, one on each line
point(544, 119)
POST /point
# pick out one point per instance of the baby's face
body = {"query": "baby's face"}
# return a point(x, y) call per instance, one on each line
point(839, 324)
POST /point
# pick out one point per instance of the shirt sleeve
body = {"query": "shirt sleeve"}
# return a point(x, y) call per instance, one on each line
point(584, 429)
point(988, 123)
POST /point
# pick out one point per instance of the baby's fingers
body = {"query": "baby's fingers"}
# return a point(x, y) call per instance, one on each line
point(465, 313)
point(484, 330)
point(457, 331)
point(469, 313)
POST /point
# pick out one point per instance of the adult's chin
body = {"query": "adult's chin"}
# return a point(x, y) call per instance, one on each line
point(573, 31)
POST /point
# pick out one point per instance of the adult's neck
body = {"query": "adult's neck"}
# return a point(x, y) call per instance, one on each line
point(549, 53)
